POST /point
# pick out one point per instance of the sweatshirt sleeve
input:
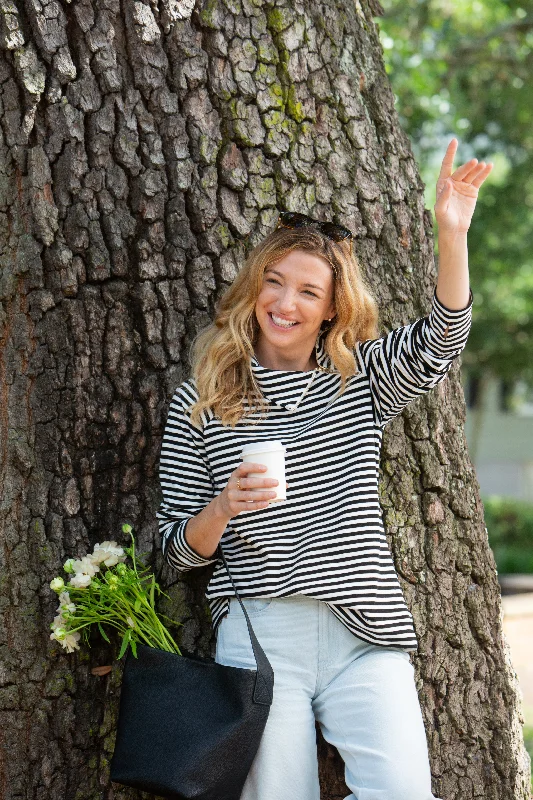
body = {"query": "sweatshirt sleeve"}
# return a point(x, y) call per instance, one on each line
point(412, 359)
point(186, 484)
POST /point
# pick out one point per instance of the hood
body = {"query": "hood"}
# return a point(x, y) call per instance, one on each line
point(287, 388)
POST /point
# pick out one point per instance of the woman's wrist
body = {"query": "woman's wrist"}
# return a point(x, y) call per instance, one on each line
point(203, 532)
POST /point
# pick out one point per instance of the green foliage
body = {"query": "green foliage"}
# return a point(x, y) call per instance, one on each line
point(107, 592)
point(510, 527)
point(464, 68)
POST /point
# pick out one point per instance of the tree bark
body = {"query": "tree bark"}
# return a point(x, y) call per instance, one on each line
point(146, 147)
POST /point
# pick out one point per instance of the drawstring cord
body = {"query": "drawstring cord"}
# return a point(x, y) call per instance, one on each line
point(308, 387)
point(290, 409)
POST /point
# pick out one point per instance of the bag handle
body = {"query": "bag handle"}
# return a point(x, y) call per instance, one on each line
point(264, 684)
point(265, 674)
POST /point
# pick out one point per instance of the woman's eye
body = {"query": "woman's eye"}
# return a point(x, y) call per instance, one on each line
point(273, 280)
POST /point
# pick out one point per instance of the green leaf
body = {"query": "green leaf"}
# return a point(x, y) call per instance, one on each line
point(125, 643)
point(137, 605)
point(134, 647)
point(103, 632)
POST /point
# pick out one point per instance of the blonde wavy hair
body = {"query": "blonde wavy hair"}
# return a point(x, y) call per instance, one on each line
point(220, 354)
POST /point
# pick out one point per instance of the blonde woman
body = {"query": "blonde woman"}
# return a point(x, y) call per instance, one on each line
point(294, 355)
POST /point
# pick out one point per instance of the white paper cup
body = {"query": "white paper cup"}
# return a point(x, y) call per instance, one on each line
point(272, 455)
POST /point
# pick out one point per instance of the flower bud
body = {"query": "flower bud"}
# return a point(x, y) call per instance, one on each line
point(57, 585)
point(127, 528)
point(113, 580)
point(122, 569)
point(68, 565)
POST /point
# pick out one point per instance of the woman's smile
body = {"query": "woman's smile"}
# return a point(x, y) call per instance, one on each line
point(296, 297)
point(281, 322)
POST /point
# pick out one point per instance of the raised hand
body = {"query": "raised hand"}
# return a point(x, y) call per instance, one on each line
point(457, 191)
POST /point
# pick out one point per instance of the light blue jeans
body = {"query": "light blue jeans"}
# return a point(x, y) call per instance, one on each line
point(362, 695)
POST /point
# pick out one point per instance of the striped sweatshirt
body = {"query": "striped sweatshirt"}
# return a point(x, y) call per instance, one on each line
point(327, 540)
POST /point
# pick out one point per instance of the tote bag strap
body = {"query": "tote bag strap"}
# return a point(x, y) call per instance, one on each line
point(265, 674)
point(264, 685)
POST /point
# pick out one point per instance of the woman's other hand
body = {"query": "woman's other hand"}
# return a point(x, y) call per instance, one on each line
point(247, 495)
point(457, 191)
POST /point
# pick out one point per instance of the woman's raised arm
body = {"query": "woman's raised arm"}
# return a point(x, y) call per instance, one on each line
point(456, 197)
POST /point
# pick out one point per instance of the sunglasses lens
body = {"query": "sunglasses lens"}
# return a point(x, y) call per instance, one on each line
point(293, 219)
point(336, 232)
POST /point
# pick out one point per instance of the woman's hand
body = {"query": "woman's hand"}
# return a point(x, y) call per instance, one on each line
point(253, 492)
point(457, 192)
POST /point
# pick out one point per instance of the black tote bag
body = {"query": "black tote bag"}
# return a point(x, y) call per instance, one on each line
point(187, 726)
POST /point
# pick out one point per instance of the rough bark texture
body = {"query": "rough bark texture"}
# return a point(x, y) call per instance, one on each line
point(145, 147)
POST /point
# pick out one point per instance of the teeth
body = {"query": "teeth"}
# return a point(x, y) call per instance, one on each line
point(282, 322)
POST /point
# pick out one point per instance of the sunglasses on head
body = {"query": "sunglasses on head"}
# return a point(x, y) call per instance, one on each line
point(293, 219)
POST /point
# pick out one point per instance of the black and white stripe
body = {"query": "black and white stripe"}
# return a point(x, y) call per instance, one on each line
point(327, 541)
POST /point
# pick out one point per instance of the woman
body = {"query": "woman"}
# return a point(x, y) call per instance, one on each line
point(294, 355)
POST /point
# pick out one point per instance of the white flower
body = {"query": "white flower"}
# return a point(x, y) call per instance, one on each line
point(80, 581)
point(68, 565)
point(57, 584)
point(108, 553)
point(65, 604)
point(70, 642)
point(59, 622)
point(67, 640)
point(86, 566)
point(130, 622)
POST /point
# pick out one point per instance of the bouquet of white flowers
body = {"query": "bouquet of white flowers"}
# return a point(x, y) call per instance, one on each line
point(103, 590)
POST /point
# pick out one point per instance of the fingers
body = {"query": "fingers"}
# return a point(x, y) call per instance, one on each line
point(482, 175)
point(240, 496)
point(447, 161)
point(245, 482)
point(466, 171)
point(247, 493)
point(246, 466)
point(468, 184)
point(473, 172)
point(257, 483)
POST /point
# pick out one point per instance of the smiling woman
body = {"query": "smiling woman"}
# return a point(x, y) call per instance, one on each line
point(299, 275)
point(296, 298)
point(293, 357)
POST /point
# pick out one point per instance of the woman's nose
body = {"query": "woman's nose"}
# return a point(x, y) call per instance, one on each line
point(287, 302)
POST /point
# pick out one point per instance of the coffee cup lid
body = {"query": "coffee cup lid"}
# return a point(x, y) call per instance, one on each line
point(262, 447)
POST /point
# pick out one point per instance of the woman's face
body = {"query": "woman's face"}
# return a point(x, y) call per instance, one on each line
point(296, 296)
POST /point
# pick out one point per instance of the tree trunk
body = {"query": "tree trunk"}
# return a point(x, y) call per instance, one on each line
point(146, 147)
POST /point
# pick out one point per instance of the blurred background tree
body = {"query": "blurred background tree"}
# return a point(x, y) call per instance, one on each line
point(465, 67)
